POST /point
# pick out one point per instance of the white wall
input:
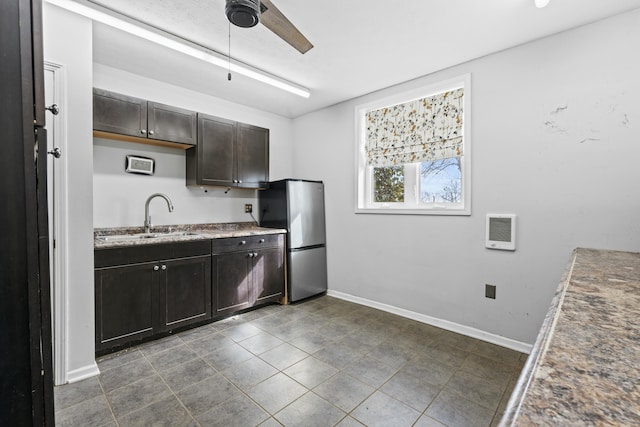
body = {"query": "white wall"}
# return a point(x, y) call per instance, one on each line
point(68, 42)
point(118, 197)
point(114, 206)
point(567, 193)
point(554, 140)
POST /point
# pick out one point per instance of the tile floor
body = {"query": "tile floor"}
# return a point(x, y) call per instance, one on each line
point(324, 362)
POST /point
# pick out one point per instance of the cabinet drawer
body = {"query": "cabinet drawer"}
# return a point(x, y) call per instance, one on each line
point(248, 242)
point(154, 252)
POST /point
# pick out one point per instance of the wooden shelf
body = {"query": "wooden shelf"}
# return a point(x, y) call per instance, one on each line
point(136, 139)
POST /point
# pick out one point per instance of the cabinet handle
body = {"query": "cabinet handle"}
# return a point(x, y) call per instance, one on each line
point(143, 131)
point(255, 254)
point(250, 254)
point(156, 268)
point(261, 241)
point(150, 132)
point(235, 181)
point(244, 242)
point(164, 267)
point(239, 181)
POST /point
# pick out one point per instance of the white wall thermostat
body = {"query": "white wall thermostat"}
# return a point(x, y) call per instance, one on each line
point(501, 232)
point(137, 164)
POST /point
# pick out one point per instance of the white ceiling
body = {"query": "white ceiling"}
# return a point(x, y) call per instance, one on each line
point(360, 45)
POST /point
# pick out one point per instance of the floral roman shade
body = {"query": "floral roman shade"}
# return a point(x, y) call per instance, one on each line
point(425, 129)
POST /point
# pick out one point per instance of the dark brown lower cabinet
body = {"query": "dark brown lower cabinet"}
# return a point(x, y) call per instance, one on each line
point(247, 271)
point(185, 291)
point(268, 275)
point(143, 291)
point(137, 296)
point(231, 274)
point(126, 304)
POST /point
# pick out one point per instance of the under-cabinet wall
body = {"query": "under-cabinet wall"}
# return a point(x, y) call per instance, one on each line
point(115, 207)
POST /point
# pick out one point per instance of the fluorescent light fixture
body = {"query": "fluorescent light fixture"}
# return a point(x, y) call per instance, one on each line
point(182, 46)
point(541, 3)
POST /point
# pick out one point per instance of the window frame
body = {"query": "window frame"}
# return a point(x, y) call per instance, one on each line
point(364, 172)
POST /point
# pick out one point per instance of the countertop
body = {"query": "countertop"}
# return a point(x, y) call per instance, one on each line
point(584, 368)
point(164, 233)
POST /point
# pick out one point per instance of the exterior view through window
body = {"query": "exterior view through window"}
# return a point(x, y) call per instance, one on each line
point(413, 152)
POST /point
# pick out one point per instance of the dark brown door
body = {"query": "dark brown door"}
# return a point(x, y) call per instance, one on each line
point(253, 156)
point(268, 275)
point(185, 291)
point(168, 123)
point(26, 391)
point(126, 303)
point(231, 275)
point(116, 113)
point(216, 152)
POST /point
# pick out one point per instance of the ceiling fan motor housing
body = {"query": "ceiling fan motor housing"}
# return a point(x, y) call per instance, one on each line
point(243, 13)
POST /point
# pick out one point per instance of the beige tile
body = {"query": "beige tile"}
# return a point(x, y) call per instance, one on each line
point(382, 410)
point(339, 350)
point(310, 411)
point(455, 411)
point(344, 391)
point(276, 392)
point(310, 372)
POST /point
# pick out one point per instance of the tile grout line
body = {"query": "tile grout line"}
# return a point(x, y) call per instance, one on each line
point(169, 387)
point(308, 390)
point(104, 393)
point(235, 385)
point(339, 322)
point(238, 388)
point(201, 357)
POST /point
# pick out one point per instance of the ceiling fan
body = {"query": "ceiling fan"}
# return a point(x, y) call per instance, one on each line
point(248, 13)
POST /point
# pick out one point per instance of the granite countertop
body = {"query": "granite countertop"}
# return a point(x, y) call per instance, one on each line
point(110, 237)
point(584, 368)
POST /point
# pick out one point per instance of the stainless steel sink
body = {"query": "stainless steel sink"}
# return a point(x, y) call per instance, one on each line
point(131, 237)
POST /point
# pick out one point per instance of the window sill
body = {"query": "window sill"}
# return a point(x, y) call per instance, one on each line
point(405, 211)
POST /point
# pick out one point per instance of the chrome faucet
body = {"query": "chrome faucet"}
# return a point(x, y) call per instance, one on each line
point(147, 218)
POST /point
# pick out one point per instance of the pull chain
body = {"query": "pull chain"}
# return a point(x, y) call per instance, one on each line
point(229, 74)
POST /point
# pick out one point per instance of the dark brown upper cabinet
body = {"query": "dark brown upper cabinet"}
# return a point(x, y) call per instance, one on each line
point(229, 154)
point(123, 117)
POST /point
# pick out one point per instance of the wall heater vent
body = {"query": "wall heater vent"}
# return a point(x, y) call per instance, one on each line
point(501, 232)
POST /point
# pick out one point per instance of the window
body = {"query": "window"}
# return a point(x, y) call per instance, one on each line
point(413, 152)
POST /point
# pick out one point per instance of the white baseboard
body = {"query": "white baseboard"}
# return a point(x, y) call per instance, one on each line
point(440, 323)
point(83, 373)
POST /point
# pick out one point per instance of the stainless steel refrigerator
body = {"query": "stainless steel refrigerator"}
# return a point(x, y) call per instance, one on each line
point(298, 206)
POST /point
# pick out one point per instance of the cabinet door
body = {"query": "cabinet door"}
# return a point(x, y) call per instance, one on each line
point(231, 277)
point(116, 113)
point(253, 156)
point(126, 304)
point(167, 123)
point(268, 275)
point(216, 154)
point(185, 291)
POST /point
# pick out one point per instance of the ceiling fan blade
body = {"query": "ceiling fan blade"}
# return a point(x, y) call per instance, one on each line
point(273, 19)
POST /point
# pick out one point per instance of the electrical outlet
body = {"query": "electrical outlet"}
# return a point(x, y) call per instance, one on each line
point(490, 291)
point(248, 208)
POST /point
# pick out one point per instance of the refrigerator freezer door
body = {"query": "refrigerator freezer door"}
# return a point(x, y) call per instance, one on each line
point(306, 214)
point(307, 273)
